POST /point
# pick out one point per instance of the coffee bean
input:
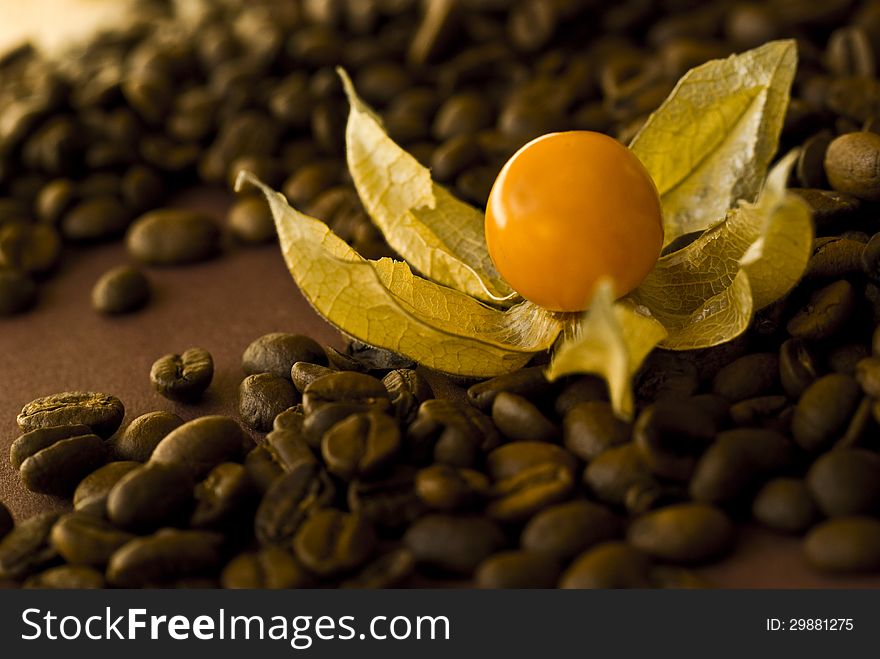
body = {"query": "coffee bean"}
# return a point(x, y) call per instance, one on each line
point(846, 482)
point(447, 488)
point(797, 367)
point(454, 156)
point(785, 505)
point(6, 521)
point(348, 387)
point(737, 462)
point(183, 377)
point(518, 497)
point(54, 200)
point(201, 444)
point(98, 218)
point(683, 533)
point(309, 181)
point(150, 496)
point(529, 382)
point(140, 437)
point(608, 565)
point(567, 529)
point(436, 31)
point(250, 221)
point(290, 419)
point(57, 468)
point(845, 544)
point(83, 539)
point(360, 445)
point(17, 292)
point(850, 165)
point(172, 237)
point(671, 436)
point(31, 443)
point(288, 448)
point(519, 419)
point(835, 258)
point(166, 556)
point(830, 209)
point(764, 411)
point(289, 500)
point(460, 114)
point(871, 258)
point(262, 468)
point(867, 374)
point(591, 427)
point(91, 494)
point(224, 498)
point(341, 361)
point(748, 377)
point(516, 569)
point(26, 549)
point(611, 474)
point(277, 352)
point(262, 397)
point(849, 53)
point(451, 433)
point(407, 390)
point(389, 501)
point(304, 373)
point(271, 567)
point(67, 577)
point(453, 544)
point(120, 290)
point(811, 161)
point(823, 411)
point(101, 412)
point(531, 24)
point(391, 570)
point(516, 457)
point(827, 312)
point(331, 542)
point(141, 188)
point(31, 248)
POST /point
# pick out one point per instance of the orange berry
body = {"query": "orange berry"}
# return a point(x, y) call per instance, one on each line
point(569, 209)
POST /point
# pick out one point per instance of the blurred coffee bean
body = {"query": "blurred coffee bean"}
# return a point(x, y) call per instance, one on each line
point(846, 482)
point(448, 488)
point(823, 411)
point(811, 161)
point(825, 314)
point(290, 499)
point(183, 377)
point(748, 377)
point(785, 505)
point(408, 390)
point(460, 114)
point(287, 446)
point(223, 498)
point(310, 180)
point(17, 292)
point(608, 565)
point(250, 221)
point(97, 218)
point(683, 533)
point(172, 237)
point(518, 497)
point(845, 544)
point(667, 376)
point(671, 436)
point(67, 577)
point(797, 367)
point(150, 496)
point(516, 569)
point(388, 501)
point(514, 458)
point(591, 427)
point(830, 209)
point(611, 474)
point(26, 548)
point(453, 544)
point(529, 382)
point(120, 290)
point(331, 542)
point(567, 529)
point(91, 494)
point(83, 539)
point(164, 557)
point(31, 248)
point(360, 445)
point(54, 200)
point(6, 521)
point(454, 156)
point(272, 567)
point(519, 419)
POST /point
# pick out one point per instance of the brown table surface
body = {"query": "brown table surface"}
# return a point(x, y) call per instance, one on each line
point(222, 305)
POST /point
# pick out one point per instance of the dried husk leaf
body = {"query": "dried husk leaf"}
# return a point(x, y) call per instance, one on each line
point(383, 304)
point(611, 341)
point(437, 234)
point(710, 143)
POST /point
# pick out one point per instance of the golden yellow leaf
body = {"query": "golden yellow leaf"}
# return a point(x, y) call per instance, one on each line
point(612, 340)
point(437, 234)
point(709, 145)
point(382, 303)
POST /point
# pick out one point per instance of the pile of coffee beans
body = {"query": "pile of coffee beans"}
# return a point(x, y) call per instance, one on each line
point(350, 472)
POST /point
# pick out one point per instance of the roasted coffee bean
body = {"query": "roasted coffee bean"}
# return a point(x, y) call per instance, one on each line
point(67, 577)
point(846, 482)
point(262, 397)
point(97, 218)
point(360, 445)
point(288, 448)
point(830, 209)
point(31, 443)
point(390, 501)
point(518, 497)
point(678, 578)
point(584, 389)
point(516, 569)
point(844, 358)
point(183, 377)
point(17, 292)
point(6, 521)
point(26, 549)
point(529, 382)
point(667, 376)
point(150, 496)
point(250, 221)
point(785, 505)
point(850, 165)
point(453, 544)
point(83, 539)
point(519, 419)
point(31, 248)
point(304, 373)
point(120, 290)
point(748, 377)
point(57, 468)
point(811, 161)
point(650, 495)
point(845, 544)
point(391, 570)
point(671, 436)
point(407, 390)
point(290, 419)
point(611, 474)
point(172, 237)
point(53, 201)
point(101, 412)
point(304, 186)
point(271, 567)
point(454, 156)
point(591, 427)
point(201, 444)
point(824, 410)
point(141, 188)
point(567, 529)
point(849, 53)
point(262, 468)
point(447, 488)
point(290, 500)
point(867, 374)
point(331, 542)
point(871, 258)
point(827, 312)
point(224, 498)
point(764, 411)
point(319, 422)
point(451, 433)
point(463, 113)
point(608, 565)
point(683, 533)
point(140, 437)
point(91, 494)
point(737, 462)
point(277, 352)
point(165, 557)
point(514, 458)
point(835, 258)
point(797, 367)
